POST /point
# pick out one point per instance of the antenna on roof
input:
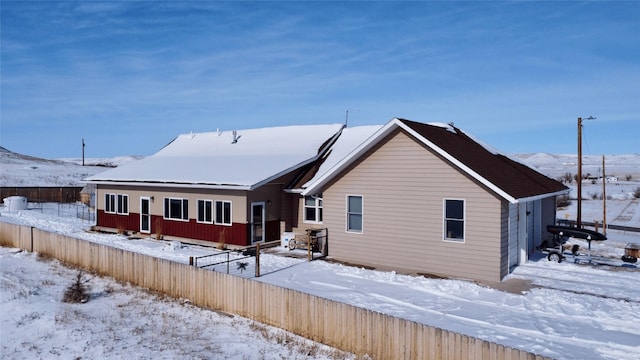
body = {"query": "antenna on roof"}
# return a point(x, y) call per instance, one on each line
point(346, 120)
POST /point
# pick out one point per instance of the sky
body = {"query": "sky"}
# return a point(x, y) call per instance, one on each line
point(130, 76)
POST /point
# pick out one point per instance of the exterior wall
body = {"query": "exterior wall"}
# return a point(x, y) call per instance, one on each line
point(235, 234)
point(403, 185)
point(505, 226)
point(271, 195)
point(290, 211)
point(548, 217)
point(301, 226)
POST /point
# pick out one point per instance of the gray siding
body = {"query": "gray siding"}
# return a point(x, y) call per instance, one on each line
point(403, 185)
point(548, 217)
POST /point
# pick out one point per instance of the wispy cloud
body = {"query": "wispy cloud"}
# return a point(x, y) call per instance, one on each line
point(186, 65)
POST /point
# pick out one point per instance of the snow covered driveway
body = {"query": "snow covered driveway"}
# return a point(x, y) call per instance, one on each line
point(574, 321)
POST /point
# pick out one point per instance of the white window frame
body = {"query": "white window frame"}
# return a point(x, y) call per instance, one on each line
point(204, 202)
point(347, 229)
point(182, 209)
point(120, 207)
point(110, 198)
point(215, 213)
point(318, 211)
point(445, 219)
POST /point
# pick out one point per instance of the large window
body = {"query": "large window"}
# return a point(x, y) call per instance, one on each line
point(223, 213)
point(176, 209)
point(123, 204)
point(110, 203)
point(205, 211)
point(454, 220)
point(313, 209)
point(354, 214)
point(116, 204)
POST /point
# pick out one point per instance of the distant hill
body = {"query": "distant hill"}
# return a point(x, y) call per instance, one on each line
point(24, 170)
point(18, 170)
point(556, 165)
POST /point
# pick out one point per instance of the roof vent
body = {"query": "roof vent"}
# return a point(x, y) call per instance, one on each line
point(236, 137)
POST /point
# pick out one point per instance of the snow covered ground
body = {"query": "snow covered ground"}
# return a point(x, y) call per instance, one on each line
point(566, 311)
point(569, 311)
point(26, 171)
point(123, 322)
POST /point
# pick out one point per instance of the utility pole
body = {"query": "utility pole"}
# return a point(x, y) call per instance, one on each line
point(604, 199)
point(579, 214)
point(83, 151)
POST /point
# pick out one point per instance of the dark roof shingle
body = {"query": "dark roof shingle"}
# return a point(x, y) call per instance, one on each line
point(512, 177)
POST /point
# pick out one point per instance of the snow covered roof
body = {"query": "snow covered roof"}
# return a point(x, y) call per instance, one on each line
point(510, 179)
point(242, 159)
point(350, 138)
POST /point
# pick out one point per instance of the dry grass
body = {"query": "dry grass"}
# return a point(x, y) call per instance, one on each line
point(76, 292)
point(300, 345)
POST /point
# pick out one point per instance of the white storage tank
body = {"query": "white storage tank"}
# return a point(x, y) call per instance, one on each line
point(15, 203)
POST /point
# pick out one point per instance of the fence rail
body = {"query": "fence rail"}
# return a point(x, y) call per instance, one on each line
point(336, 324)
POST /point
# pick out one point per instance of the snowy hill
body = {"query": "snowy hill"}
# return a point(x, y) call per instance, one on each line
point(23, 170)
point(556, 165)
point(27, 171)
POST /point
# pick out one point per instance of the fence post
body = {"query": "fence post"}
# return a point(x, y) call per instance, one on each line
point(258, 260)
point(309, 246)
point(32, 239)
point(191, 260)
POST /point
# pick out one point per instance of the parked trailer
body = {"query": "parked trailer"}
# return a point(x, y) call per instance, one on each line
point(561, 235)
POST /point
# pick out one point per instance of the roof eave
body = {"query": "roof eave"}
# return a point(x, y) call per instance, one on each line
point(170, 184)
point(541, 196)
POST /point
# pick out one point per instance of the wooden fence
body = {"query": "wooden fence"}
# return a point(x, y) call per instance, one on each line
point(339, 325)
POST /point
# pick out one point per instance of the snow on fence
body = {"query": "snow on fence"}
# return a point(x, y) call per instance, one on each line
point(339, 325)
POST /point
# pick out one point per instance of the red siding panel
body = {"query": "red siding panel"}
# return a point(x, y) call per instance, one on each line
point(236, 234)
point(129, 222)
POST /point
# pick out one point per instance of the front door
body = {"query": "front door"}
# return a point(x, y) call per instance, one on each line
point(145, 215)
point(257, 221)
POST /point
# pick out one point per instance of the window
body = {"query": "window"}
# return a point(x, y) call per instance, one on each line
point(110, 203)
point(454, 220)
point(205, 211)
point(123, 204)
point(354, 214)
point(313, 209)
point(176, 209)
point(223, 213)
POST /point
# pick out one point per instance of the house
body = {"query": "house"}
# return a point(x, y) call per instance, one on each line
point(226, 187)
point(428, 198)
point(421, 198)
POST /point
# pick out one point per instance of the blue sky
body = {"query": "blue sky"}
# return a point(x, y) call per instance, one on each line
point(128, 77)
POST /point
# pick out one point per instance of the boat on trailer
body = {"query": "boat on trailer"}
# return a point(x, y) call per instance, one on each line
point(568, 231)
point(561, 235)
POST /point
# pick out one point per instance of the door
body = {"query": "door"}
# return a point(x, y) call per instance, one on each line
point(145, 215)
point(523, 235)
point(513, 236)
point(257, 221)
